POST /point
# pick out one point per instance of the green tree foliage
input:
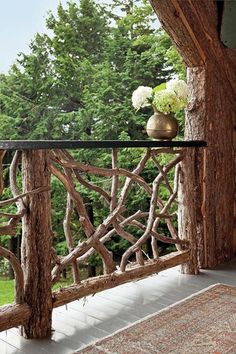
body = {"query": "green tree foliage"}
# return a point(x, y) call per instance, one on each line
point(77, 83)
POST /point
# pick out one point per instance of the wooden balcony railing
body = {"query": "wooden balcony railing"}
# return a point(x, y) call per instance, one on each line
point(40, 266)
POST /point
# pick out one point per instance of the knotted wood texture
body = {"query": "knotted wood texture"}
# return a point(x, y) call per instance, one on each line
point(211, 115)
point(103, 282)
point(120, 185)
point(33, 296)
point(117, 188)
point(37, 243)
point(13, 315)
point(120, 182)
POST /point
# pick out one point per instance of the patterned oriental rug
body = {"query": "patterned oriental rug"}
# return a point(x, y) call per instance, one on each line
point(204, 323)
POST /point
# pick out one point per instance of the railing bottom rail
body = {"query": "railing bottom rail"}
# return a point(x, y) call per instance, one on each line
point(103, 282)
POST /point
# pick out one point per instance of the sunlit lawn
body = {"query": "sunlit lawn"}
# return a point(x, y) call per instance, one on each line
point(7, 289)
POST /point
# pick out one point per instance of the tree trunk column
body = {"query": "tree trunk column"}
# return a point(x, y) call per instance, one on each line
point(37, 243)
point(194, 28)
point(190, 220)
point(192, 184)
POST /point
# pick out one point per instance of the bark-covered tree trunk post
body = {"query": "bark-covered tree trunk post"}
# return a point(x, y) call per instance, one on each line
point(207, 205)
point(37, 243)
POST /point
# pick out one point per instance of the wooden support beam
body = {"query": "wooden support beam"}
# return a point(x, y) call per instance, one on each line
point(37, 243)
point(211, 115)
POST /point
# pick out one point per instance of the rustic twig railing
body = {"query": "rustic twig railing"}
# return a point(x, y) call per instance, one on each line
point(40, 266)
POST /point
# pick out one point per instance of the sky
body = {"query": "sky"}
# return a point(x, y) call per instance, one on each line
point(20, 20)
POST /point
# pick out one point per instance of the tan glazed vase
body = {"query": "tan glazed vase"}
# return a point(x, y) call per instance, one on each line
point(162, 126)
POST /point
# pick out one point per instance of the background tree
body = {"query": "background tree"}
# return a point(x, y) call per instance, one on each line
point(77, 83)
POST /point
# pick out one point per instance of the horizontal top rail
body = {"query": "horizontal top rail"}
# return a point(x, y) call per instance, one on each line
point(95, 144)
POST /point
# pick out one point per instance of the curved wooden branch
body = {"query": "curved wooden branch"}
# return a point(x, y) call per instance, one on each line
point(151, 217)
point(15, 190)
point(163, 173)
point(103, 171)
point(114, 189)
point(171, 198)
point(158, 236)
point(97, 238)
point(83, 247)
point(106, 255)
point(20, 196)
point(68, 235)
point(85, 183)
point(109, 234)
point(127, 236)
point(120, 231)
point(68, 184)
point(131, 220)
point(93, 187)
point(89, 230)
point(19, 277)
point(12, 216)
point(13, 173)
point(155, 248)
point(150, 222)
point(181, 154)
point(129, 181)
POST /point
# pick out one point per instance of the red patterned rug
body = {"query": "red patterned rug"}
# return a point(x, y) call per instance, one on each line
point(204, 323)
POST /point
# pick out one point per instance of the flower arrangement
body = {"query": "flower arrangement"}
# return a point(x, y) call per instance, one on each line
point(166, 98)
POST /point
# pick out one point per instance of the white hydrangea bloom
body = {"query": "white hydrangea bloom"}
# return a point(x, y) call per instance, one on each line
point(140, 97)
point(179, 87)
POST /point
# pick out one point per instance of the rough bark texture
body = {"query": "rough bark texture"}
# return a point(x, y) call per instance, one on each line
point(95, 285)
point(190, 224)
point(13, 316)
point(194, 29)
point(36, 244)
point(191, 196)
point(117, 199)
